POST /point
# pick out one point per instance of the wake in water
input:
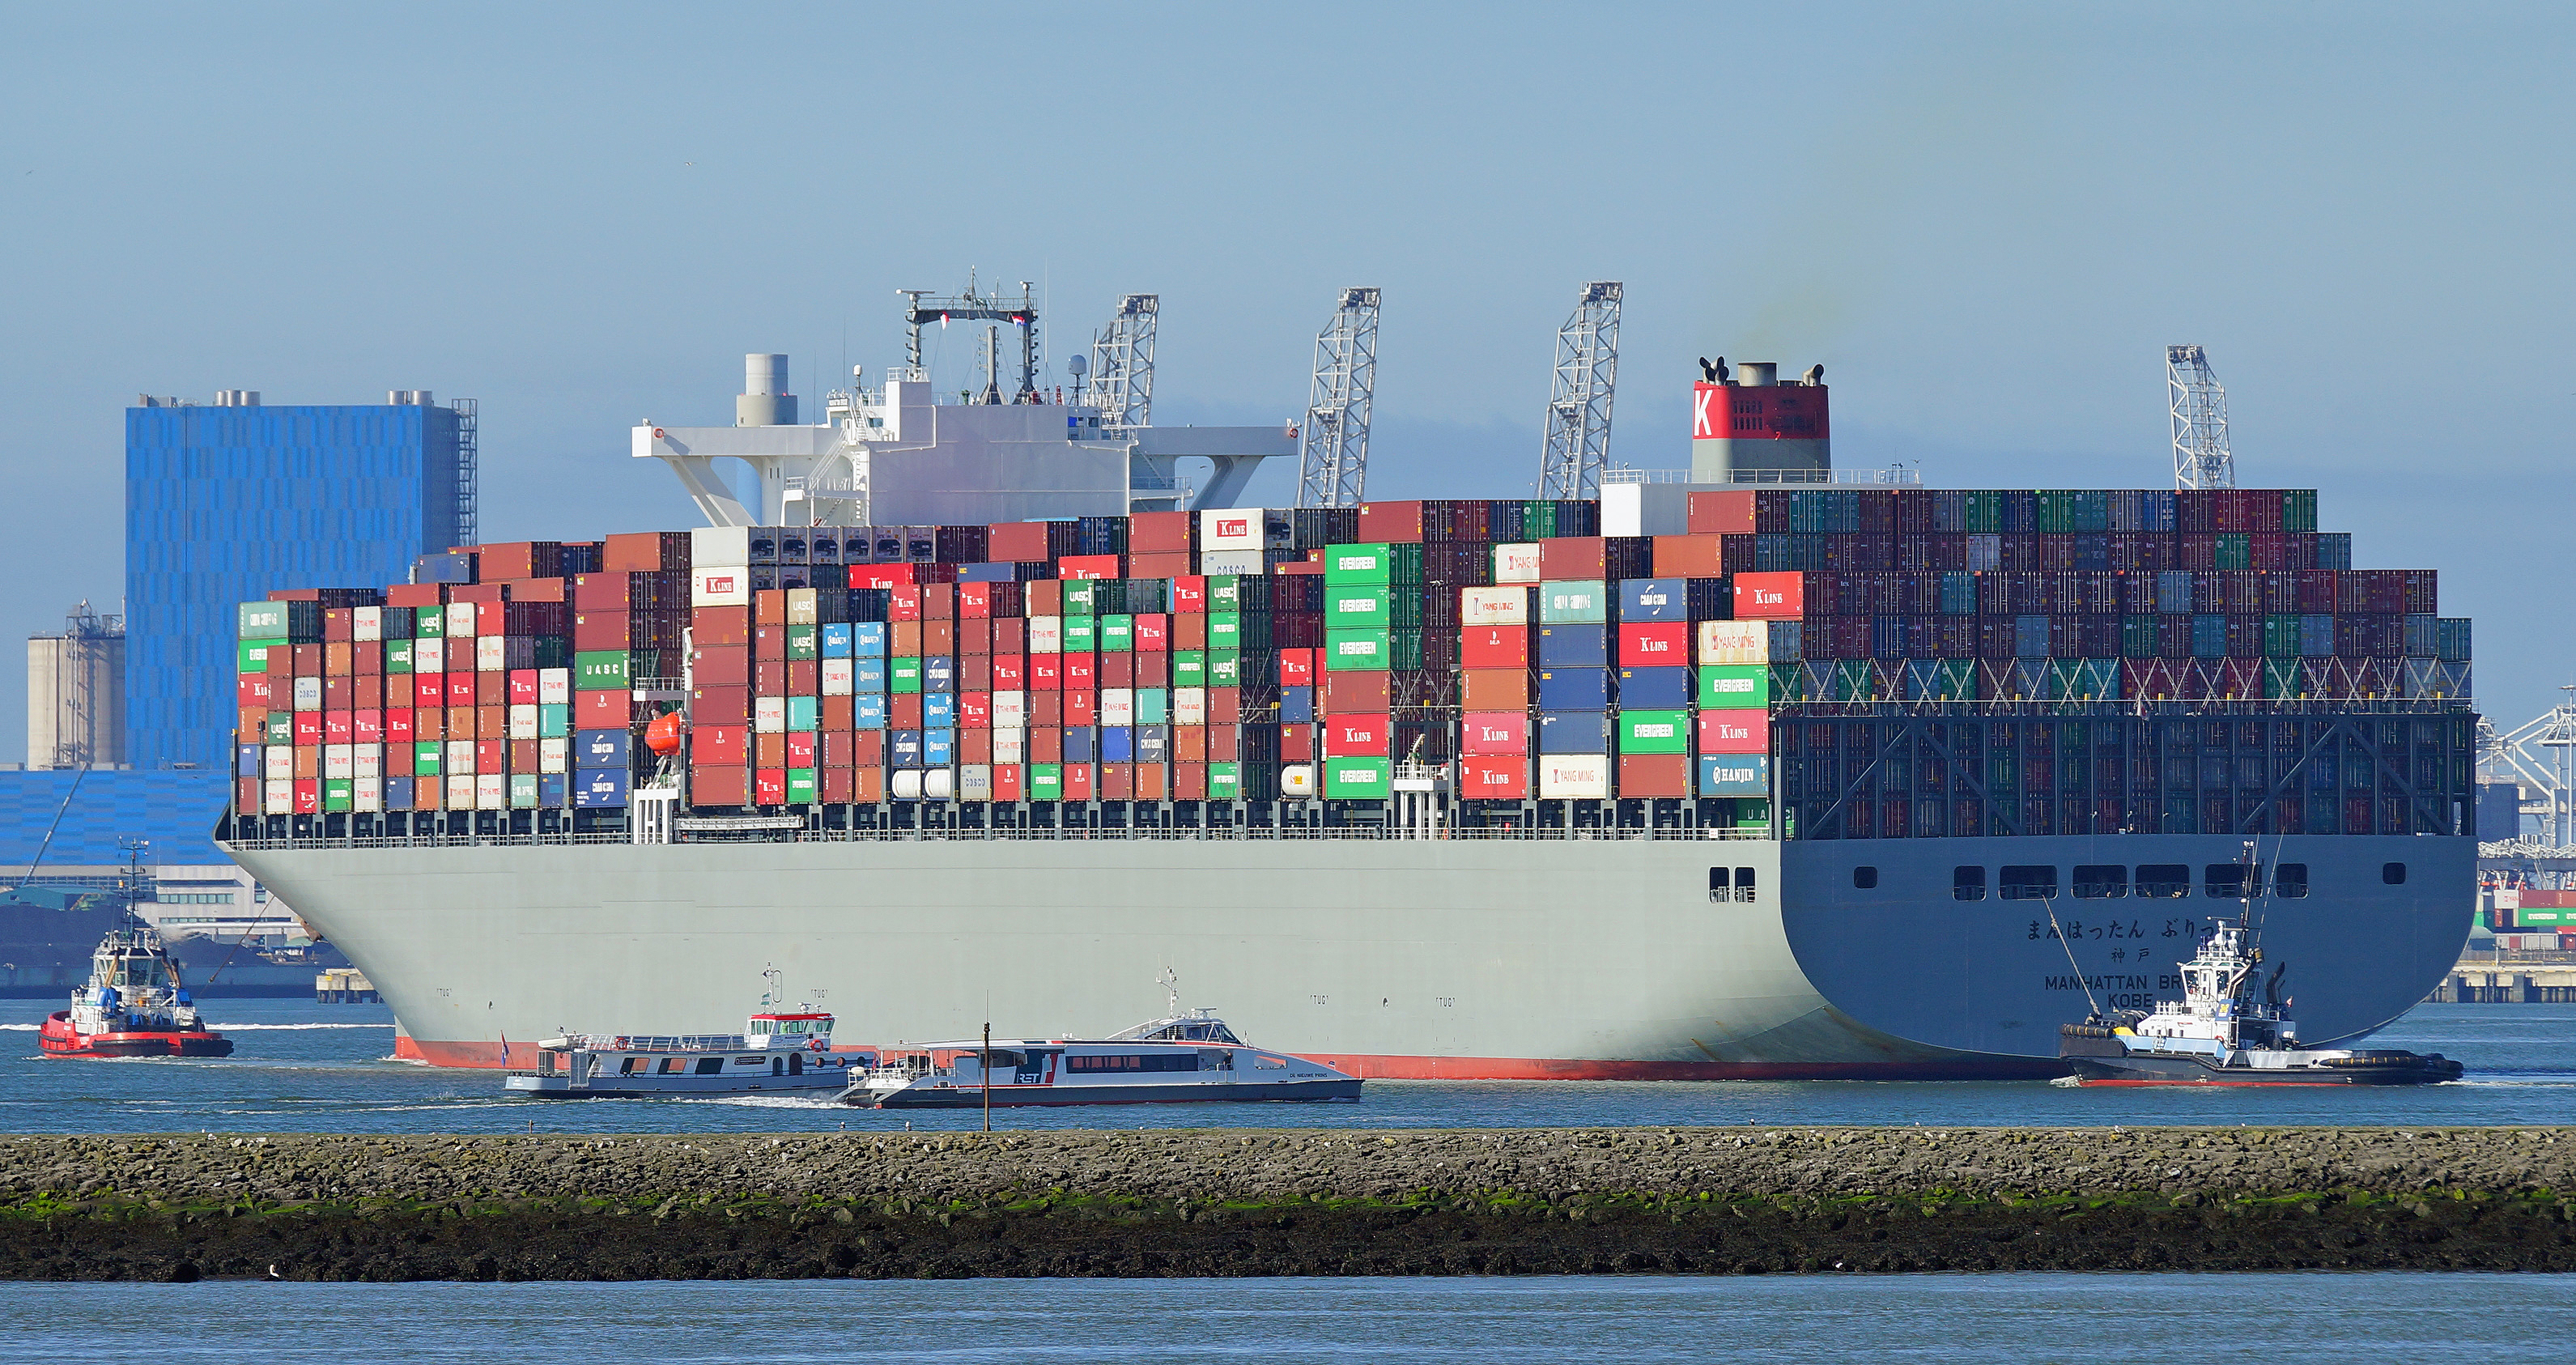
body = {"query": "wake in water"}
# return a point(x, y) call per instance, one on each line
point(30, 1028)
point(275, 1028)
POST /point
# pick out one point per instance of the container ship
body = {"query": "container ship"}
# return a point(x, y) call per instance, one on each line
point(1756, 775)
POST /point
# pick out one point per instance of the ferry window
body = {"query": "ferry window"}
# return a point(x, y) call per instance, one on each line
point(2223, 881)
point(1865, 878)
point(1718, 884)
point(674, 1065)
point(1744, 883)
point(2164, 881)
point(2028, 882)
point(1967, 883)
point(796, 1064)
point(2290, 880)
point(709, 1066)
point(634, 1066)
point(2394, 874)
point(2101, 881)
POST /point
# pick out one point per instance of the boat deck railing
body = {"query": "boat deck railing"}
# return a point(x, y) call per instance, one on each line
point(1235, 833)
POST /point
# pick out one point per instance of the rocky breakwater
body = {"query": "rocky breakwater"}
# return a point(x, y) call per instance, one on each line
point(1236, 1202)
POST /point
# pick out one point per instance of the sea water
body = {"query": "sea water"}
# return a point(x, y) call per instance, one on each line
point(298, 1066)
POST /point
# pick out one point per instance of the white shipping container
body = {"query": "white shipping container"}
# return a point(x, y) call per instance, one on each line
point(906, 785)
point(460, 763)
point(460, 620)
point(308, 694)
point(1189, 706)
point(801, 607)
point(1230, 528)
point(975, 782)
point(368, 794)
point(554, 755)
point(1117, 706)
point(1985, 553)
point(367, 623)
point(491, 791)
point(523, 721)
point(1235, 562)
point(277, 763)
point(1583, 777)
point(429, 656)
point(367, 762)
point(728, 586)
point(554, 687)
point(769, 715)
point(491, 654)
point(1493, 606)
point(277, 796)
point(1010, 712)
point(720, 547)
point(1046, 635)
point(1734, 642)
point(840, 676)
point(1011, 745)
point(460, 791)
point(1297, 779)
point(1516, 563)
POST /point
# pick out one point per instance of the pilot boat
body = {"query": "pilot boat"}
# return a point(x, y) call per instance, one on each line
point(777, 1051)
point(1180, 1058)
point(2232, 1027)
point(135, 1005)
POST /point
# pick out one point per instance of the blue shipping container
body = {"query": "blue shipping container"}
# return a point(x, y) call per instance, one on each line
point(1002, 572)
point(1653, 689)
point(903, 747)
point(603, 749)
point(938, 748)
point(1153, 743)
point(1734, 775)
point(1574, 646)
point(600, 788)
point(938, 674)
point(867, 675)
point(398, 793)
point(938, 710)
point(2173, 591)
point(867, 639)
point(1574, 689)
point(2030, 637)
point(2209, 637)
point(832, 641)
point(868, 711)
point(1296, 706)
point(553, 790)
point(1958, 593)
point(1654, 599)
point(246, 760)
point(1081, 744)
point(1117, 744)
point(1574, 732)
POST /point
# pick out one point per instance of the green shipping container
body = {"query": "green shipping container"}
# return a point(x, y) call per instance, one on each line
point(1358, 779)
point(1081, 634)
point(1118, 634)
point(1789, 682)
point(1359, 564)
point(1224, 668)
point(2235, 550)
point(523, 791)
point(903, 675)
point(263, 620)
point(425, 758)
point(336, 793)
point(1654, 732)
point(1751, 814)
point(804, 714)
point(2284, 678)
point(600, 670)
point(428, 623)
point(1046, 781)
point(397, 656)
point(1225, 782)
point(1349, 651)
point(1575, 602)
point(2281, 641)
point(2299, 510)
point(801, 787)
point(800, 644)
point(1081, 596)
point(2545, 919)
point(1224, 592)
point(1353, 606)
point(554, 720)
point(279, 728)
point(1153, 706)
point(1733, 687)
point(1225, 630)
point(1983, 513)
point(1189, 668)
point(253, 657)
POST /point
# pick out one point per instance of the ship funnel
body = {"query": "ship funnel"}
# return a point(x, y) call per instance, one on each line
point(1757, 374)
point(764, 400)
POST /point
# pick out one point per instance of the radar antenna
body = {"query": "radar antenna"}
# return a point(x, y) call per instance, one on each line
point(1577, 448)
point(1332, 460)
point(2199, 406)
point(922, 306)
point(1122, 364)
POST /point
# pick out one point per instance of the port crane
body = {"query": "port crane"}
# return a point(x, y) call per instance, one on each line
point(1332, 457)
point(2198, 405)
point(1577, 446)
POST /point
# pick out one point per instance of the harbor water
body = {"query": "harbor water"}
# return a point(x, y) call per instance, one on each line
point(2423, 1319)
point(306, 1067)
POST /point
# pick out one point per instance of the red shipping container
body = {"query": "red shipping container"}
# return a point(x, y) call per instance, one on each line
point(1077, 782)
point(308, 727)
point(308, 796)
point(938, 601)
point(1351, 690)
point(1089, 566)
point(1487, 733)
point(1117, 782)
point(769, 786)
point(1494, 647)
point(1565, 558)
point(491, 756)
point(253, 690)
point(1296, 744)
point(1010, 782)
point(881, 575)
point(1224, 744)
point(975, 711)
point(1652, 775)
point(1117, 670)
point(1189, 782)
point(337, 727)
point(602, 630)
point(1357, 735)
point(1493, 778)
point(1189, 595)
point(1010, 635)
point(839, 785)
point(1734, 732)
point(1045, 708)
point(1009, 673)
point(1020, 541)
point(800, 748)
point(367, 727)
point(1770, 596)
point(1296, 668)
point(719, 786)
point(1159, 566)
point(1153, 633)
point(399, 725)
point(974, 746)
point(1718, 514)
point(338, 694)
point(1152, 670)
point(460, 689)
point(1494, 689)
point(1045, 744)
point(712, 626)
point(370, 692)
point(1046, 672)
point(903, 604)
point(1391, 522)
point(868, 785)
point(903, 711)
point(1081, 672)
point(974, 601)
point(1655, 644)
point(523, 686)
point(1081, 707)
point(1690, 556)
point(974, 637)
point(1152, 782)
point(609, 710)
point(867, 752)
point(1224, 707)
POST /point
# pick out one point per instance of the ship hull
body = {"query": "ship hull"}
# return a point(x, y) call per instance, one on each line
point(1605, 959)
point(2143, 1070)
point(58, 1038)
point(1044, 1097)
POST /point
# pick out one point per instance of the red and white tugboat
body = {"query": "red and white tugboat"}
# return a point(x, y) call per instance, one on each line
point(135, 1005)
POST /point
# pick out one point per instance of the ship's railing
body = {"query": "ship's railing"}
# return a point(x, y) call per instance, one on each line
point(1236, 833)
point(1884, 477)
point(636, 1042)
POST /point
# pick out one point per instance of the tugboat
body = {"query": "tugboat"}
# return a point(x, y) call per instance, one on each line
point(135, 1004)
point(1179, 1058)
point(2232, 1027)
point(777, 1051)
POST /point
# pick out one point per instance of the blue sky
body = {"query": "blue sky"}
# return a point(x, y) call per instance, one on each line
point(1985, 220)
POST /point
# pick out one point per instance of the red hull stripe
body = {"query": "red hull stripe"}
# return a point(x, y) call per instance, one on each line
point(1375, 1068)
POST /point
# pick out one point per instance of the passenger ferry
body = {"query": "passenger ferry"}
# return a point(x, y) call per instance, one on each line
point(1180, 1058)
point(776, 1051)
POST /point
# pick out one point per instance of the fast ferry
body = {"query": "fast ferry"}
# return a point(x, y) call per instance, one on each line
point(777, 1051)
point(1180, 1058)
point(135, 1005)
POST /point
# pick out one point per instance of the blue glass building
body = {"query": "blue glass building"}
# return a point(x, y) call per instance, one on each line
point(225, 504)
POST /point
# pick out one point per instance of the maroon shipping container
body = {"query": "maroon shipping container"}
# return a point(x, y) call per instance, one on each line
point(1392, 523)
point(1654, 775)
